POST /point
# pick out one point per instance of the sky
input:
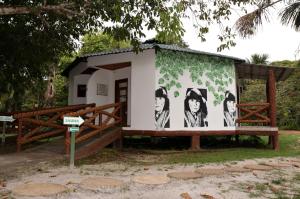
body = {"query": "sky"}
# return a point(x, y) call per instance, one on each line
point(278, 41)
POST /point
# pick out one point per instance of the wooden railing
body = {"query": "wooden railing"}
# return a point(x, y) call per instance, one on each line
point(42, 123)
point(96, 120)
point(257, 113)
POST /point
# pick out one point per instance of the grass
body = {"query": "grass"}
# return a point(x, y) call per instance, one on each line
point(289, 146)
point(169, 153)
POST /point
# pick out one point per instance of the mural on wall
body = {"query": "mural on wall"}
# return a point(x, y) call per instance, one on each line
point(229, 109)
point(219, 72)
point(162, 108)
point(195, 109)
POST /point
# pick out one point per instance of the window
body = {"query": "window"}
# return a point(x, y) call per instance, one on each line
point(81, 90)
point(102, 89)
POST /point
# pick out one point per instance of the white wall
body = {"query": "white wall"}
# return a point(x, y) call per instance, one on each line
point(142, 91)
point(72, 85)
point(108, 77)
point(78, 79)
point(101, 76)
point(141, 84)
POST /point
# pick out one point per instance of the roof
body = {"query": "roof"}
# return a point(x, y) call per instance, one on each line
point(260, 71)
point(83, 58)
point(244, 70)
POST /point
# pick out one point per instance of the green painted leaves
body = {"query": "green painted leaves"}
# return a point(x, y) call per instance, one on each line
point(213, 73)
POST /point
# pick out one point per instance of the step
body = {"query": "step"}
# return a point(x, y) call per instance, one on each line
point(98, 143)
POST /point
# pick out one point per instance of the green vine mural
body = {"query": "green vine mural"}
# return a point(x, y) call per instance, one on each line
point(172, 64)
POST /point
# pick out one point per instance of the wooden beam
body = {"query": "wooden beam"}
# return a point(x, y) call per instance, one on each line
point(115, 66)
point(89, 71)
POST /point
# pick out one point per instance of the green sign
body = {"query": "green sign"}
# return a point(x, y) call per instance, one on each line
point(73, 129)
point(73, 120)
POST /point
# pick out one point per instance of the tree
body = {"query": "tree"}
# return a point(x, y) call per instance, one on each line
point(248, 24)
point(98, 42)
point(169, 38)
point(288, 97)
point(259, 59)
point(34, 34)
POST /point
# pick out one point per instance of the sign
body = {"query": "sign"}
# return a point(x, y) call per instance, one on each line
point(7, 118)
point(73, 120)
point(73, 129)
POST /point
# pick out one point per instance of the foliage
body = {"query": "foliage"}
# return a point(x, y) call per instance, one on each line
point(171, 65)
point(259, 59)
point(35, 34)
point(291, 15)
point(248, 24)
point(288, 97)
point(169, 38)
point(98, 42)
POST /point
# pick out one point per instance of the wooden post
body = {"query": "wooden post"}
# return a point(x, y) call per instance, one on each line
point(19, 140)
point(122, 114)
point(100, 119)
point(67, 142)
point(118, 144)
point(272, 110)
point(195, 142)
point(268, 111)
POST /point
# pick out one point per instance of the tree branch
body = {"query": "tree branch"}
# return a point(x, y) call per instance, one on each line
point(61, 9)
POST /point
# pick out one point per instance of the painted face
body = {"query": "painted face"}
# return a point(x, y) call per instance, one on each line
point(194, 105)
point(231, 106)
point(159, 103)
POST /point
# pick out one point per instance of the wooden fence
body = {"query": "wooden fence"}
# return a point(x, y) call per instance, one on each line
point(254, 113)
point(42, 123)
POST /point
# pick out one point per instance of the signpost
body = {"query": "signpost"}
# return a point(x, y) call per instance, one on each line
point(75, 122)
point(5, 119)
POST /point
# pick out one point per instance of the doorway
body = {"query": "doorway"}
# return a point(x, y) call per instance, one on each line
point(121, 95)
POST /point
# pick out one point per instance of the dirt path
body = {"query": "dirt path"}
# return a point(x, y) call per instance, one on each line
point(44, 164)
point(13, 164)
point(273, 183)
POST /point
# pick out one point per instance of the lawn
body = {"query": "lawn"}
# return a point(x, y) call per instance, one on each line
point(176, 151)
point(289, 146)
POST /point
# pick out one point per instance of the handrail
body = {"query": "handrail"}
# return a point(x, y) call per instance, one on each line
point(43, 123)
point(97, 119)
point(253, 113)
point(253, 104)
point(50, 110)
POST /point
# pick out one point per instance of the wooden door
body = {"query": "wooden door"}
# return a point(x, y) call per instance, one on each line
point(121, 95)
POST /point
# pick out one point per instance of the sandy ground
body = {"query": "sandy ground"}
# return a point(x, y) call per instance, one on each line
point(254, 184)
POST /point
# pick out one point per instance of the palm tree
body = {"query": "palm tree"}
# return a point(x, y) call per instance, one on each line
point(259, 59)
point(248, 24)
point(291, 15)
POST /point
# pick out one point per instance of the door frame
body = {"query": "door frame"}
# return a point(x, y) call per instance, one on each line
point(117, 97)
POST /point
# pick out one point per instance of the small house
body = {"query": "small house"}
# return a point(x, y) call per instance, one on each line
point(171, 91)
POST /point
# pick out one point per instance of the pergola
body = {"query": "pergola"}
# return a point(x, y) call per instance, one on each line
point(263, 115)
